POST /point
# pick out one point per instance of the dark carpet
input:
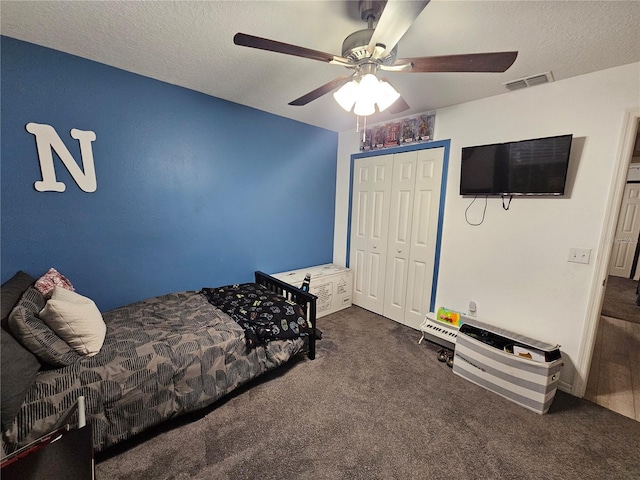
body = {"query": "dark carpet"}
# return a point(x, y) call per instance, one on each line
point(376, 405)
point(620, 299)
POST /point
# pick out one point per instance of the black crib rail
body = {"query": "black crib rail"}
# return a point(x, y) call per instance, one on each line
point(294, 294)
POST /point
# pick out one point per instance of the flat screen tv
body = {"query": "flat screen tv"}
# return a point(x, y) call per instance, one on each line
point(528, 167)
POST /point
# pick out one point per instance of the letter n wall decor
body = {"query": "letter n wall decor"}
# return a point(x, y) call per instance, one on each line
point(48, 141)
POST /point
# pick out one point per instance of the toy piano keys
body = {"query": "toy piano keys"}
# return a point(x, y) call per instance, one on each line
point(442, 330)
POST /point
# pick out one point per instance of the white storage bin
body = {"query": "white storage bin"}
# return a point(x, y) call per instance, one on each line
point(486, 356)
point(332, 284)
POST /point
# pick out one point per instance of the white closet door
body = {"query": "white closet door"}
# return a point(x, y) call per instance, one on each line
point(400, 220)
point(369, 221)
point(424, 232)
point(627, 231)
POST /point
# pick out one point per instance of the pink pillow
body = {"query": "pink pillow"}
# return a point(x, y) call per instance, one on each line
point(46, 283)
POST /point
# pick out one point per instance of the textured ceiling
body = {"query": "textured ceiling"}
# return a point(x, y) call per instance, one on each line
point(190, 43)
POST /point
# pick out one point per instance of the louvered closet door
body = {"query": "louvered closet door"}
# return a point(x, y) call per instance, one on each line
point(400, 220)
point(369, 223)
point(424, 233)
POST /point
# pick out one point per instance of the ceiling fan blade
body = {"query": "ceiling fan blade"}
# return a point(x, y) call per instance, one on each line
point(396, 18)
point(320, 91)
point(399, 106)
point(260, 43)
point(496, 62)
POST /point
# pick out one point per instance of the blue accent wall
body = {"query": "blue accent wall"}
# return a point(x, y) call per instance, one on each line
point(193, 191)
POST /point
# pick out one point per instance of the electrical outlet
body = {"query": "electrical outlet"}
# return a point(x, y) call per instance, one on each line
point(472, 308)
point(579, 255)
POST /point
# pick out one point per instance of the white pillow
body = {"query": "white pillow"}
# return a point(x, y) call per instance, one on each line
point(76, 320)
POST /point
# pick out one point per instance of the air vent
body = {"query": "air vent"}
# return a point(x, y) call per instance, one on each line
point(516, 85)
point(529, 81)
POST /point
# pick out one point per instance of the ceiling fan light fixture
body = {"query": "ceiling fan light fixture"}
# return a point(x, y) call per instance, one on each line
point(368, 87)
point(364, 107)
point(346, 95)
point(387, 95)
point(364, 95)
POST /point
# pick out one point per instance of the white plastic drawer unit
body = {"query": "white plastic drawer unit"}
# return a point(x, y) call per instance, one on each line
point(332, 284)
point(518, 368)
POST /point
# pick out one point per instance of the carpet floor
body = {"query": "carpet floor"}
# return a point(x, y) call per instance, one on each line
point(376, 405)
point(620, 299)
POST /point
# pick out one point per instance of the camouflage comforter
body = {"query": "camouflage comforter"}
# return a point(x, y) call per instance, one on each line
point(161, 358)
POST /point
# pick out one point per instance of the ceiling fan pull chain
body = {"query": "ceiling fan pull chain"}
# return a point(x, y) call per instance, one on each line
point(364, 130)
point(364, 127)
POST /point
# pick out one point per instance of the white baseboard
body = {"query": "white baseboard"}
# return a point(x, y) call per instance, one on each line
point(565, 387)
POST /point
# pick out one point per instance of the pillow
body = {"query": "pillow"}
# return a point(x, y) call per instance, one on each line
point(46, 283)
point(11, 292)
point(76, 320)
point(264, 315)
point(35, 335)
point(19, 371)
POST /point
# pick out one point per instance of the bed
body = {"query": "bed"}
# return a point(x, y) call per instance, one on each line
point(160, 358)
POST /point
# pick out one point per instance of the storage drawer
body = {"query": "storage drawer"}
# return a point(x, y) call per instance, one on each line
point(480, 357)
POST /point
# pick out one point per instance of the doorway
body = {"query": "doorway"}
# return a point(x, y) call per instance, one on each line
point(624, 253)
point(614, 373)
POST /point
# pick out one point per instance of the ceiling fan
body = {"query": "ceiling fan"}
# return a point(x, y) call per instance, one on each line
point(371, 50)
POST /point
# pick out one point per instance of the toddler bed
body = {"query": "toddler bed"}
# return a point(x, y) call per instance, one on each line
point(160, 358)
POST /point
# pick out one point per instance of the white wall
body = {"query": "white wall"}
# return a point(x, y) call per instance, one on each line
point(348, 144)
point(514, 266)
